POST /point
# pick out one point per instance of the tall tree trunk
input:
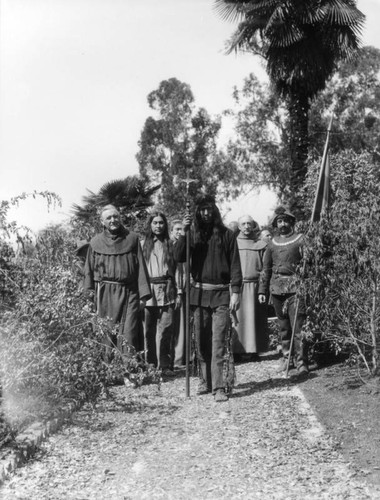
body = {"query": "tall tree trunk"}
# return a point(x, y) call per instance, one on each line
point(298, 105)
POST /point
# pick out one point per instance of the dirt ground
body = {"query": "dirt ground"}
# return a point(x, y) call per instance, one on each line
point(347, 403)
point(264, 443)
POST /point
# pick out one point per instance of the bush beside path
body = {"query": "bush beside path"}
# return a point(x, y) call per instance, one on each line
point(264, 443)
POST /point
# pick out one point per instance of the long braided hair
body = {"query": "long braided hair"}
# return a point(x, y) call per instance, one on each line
point(166, 242)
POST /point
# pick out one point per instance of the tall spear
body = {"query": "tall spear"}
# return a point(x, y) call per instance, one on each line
point(187, 181)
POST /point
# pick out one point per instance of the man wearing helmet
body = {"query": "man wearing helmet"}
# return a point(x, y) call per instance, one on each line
point(281, 258)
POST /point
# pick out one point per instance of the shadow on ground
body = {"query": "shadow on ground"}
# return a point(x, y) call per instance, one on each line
point(249, 388)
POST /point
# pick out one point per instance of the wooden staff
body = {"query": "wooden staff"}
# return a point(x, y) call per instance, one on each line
point(188, 181)
point(187, 302)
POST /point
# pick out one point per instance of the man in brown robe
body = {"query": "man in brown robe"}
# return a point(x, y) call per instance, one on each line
point(115, 273)
point(252, 334)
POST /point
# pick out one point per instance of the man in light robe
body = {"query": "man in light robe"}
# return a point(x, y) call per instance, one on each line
point(252, 334)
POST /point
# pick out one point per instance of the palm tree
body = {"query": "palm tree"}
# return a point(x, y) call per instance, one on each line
point(132, 196)
point(302, 41)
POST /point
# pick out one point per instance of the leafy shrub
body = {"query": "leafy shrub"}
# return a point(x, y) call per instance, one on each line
point(49, 346)
point(52, 345)
point(274, 335)
point(341, 279)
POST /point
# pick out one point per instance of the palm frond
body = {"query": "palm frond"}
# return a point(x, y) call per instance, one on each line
point(242, 37)
point(128, 195)
point(343, 13)
point(84, 213)
point(89, 198)
point(230, 10)
point(284, 35)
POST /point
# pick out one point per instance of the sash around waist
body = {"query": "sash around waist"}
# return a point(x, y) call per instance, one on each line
point(120, 283)
point(210, 286)
point(160, 280)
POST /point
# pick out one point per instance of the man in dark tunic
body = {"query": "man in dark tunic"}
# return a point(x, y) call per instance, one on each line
point(283, 254)
point(115, 272)
point(216, 281)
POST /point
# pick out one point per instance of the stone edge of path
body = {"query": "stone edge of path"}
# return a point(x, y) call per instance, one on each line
point(26, 443)
point(317, 425)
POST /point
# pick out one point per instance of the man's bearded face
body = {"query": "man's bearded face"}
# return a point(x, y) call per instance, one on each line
point(284, 225)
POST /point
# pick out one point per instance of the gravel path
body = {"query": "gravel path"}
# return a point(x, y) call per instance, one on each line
point(264, 443)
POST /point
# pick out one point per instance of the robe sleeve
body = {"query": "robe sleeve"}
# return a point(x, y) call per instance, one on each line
point(143, 276)
point(266, 273)
point(235, 266)
point(261, 257)
point(179, 249)
point(88, 281)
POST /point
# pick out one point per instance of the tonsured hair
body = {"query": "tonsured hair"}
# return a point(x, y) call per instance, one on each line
point(149, 240)
point(108, 207)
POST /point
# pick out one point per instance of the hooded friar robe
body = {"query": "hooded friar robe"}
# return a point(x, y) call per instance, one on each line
point(252, 316)
point(115, 270)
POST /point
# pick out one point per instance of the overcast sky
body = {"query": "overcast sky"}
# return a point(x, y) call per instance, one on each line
point(74, 77)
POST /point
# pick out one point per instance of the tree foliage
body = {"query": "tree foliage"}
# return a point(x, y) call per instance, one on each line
point(260, 147)
point(181, 142)
point(8, 227)
point(353, 96)
point(132, 196)
point(15, 239)
point(342, 278)
point(301, 43)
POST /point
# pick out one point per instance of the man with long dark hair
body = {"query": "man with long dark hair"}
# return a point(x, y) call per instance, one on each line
point(159, 311)
point(216, 281)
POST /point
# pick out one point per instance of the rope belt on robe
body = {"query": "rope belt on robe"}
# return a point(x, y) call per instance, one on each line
point(111, 282)
point(121, 283)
